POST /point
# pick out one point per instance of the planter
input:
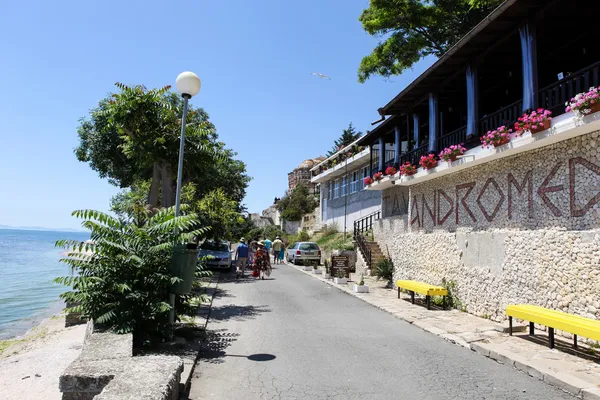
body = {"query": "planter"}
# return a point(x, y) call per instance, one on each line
point(307, 268)
point(545, 126)
point(452, 159)
point(361, 288)
point(501, 143)
point(326, 275)
point(340, 281)
point(431, 166)
point(593, 108)
point(317, 271)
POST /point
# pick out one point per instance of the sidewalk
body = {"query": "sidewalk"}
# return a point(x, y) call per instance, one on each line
point(576, 373)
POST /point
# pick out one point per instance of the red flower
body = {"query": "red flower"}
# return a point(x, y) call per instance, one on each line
point(368, 180)
point(390, 170)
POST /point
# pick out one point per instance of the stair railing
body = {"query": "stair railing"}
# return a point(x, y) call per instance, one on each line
point(360, 227)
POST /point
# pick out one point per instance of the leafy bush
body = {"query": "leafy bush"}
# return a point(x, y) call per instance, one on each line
point(303, 236)
point(293, 206)
point(384, 269)
point(330, 229)
point(123, 276)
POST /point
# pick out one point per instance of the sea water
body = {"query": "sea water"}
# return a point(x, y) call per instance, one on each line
point(29, 262)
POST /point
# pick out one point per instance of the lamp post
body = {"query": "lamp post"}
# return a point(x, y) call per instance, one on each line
point(188, 84)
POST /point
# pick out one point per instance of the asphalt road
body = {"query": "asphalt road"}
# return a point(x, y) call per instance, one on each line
point(293, 337)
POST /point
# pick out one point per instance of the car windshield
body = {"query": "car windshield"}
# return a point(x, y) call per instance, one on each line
point(309, 246)
point(212, 246)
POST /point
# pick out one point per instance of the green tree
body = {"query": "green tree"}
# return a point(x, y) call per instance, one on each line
point(349, 135)
point(293, 206)
point(413, 29)
point(123, 277)
point(133, 136)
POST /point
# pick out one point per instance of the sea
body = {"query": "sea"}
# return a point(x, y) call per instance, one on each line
point(29, 262)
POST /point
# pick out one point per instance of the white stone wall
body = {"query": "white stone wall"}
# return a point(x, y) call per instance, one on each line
point(525, 229)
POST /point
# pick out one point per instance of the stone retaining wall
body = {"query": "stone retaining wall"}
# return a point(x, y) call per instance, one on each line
point(525, 229)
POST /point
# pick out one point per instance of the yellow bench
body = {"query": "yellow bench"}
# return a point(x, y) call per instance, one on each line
point(422, 288)
point(554, 319)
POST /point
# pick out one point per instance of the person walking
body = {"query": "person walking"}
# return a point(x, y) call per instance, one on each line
point(268, 244)
point(277, 246)
point(251, 250)
point(262, 261)
point(241, 258)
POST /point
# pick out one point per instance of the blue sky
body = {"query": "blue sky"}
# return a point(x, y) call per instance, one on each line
point(255, 60)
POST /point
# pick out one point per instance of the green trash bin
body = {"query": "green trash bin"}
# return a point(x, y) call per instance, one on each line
point(183, 266)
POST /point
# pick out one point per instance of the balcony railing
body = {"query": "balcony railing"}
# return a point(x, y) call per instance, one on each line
point(455, 137)
point(554, 96)
point(504, 116)
point(414, 156)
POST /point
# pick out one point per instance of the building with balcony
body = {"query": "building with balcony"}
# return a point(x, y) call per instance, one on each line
point(342, 197)
point(509, 223)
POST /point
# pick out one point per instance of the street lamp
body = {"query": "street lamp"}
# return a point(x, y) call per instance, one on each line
point(188, 84)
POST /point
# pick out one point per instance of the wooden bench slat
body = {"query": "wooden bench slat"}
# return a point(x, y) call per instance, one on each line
point(574, 324)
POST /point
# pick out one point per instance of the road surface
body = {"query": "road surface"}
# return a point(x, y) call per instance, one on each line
point(294, 337)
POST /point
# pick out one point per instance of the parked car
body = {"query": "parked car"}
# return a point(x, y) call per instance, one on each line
point(218, 254)
point(304, 252)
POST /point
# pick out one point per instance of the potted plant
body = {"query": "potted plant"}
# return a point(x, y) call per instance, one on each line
point(316, 269)
point(585, 103)
point(407, 169)
point(390, 171)
point(368, 181)
point(451, 153)
point(361, 287)
point(384, 269)
point(498, 137)
point(307, 267)
point(340, 279)
point(428, 161)
point(536, 121)
point(378, 176)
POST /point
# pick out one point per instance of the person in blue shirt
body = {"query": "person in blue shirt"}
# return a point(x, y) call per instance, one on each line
point(241, 258)
point(267, 243)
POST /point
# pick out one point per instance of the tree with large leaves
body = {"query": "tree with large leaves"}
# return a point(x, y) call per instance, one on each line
point(133, 136)
point(413, 29)
point(349, 135)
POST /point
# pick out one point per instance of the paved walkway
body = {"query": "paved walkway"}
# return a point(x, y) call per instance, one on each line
point(575, 372)
point(294, 337)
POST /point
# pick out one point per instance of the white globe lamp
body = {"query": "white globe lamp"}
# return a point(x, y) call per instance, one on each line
point(188, 84)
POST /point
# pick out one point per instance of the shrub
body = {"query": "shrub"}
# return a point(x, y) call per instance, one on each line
point(303, 236)
point(330, 229)
point(123, 276)
point(384, 269)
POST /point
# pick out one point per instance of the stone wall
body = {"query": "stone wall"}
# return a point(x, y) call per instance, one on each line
point(524, 229)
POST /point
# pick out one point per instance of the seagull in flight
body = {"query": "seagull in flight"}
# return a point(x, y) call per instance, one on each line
point(321, 75)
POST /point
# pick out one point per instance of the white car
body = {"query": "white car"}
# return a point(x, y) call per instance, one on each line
point(216, 254)
point(304, 252)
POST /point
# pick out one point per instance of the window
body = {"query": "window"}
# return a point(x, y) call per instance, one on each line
point(336, 189)
point(364, 172)
point(344, 185)
point(294, 246)
point(309, 246)
point(354, 182)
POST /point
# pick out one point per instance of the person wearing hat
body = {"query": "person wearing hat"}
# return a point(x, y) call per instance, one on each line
point(262, 261)
point(277, 246)
point(241, 258)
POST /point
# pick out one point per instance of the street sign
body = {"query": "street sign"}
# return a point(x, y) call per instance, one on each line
point(340, 263)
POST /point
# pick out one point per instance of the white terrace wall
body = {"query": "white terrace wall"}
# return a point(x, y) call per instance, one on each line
point(523, 229)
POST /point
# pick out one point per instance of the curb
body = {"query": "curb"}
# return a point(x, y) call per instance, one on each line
point(566, 383)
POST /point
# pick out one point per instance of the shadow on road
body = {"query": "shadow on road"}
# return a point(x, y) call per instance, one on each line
point(214, 348)
point(237, 312)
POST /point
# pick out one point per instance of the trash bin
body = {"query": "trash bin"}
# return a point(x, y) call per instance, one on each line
point(183, 266)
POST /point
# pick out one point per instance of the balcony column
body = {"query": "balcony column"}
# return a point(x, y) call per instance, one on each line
point(472, 101)
point(381, 153)
point(433, 122)
point(529, 62)
point(417, 126)
point(397, 146)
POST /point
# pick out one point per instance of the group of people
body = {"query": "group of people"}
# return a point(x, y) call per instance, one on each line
point(256, 254)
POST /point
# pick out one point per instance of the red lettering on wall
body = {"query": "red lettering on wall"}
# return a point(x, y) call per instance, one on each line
point(490, 217)
point(513, 182)
point(424, 206)
point(580, 212)
point(439, 201)
point(415, 207)
point(544, 188)
point(463, 200)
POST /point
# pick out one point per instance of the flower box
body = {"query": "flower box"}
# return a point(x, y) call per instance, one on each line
point(317, 271)
point(428, 162)
point(326, 275)
point(360, 288)
point(585, 103)
point(340, 281)
point(308, 268)
point(451, 153)
point(545, 125)
point(407, 169)
point(498, 137)
point(593, 108)
point(378, 176)
point(501, 142)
